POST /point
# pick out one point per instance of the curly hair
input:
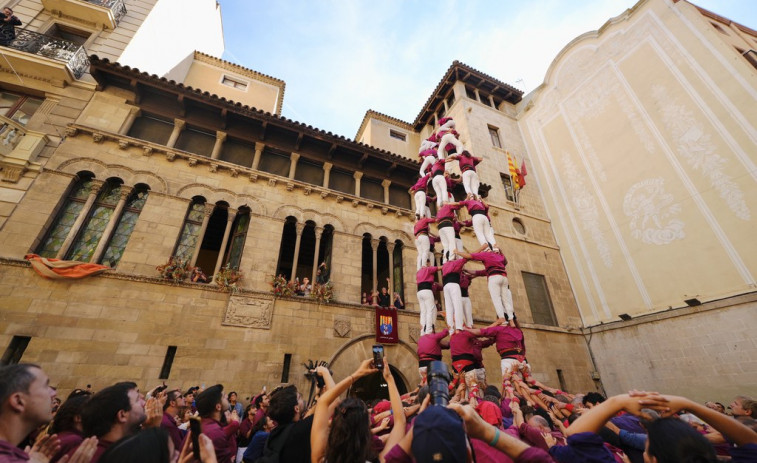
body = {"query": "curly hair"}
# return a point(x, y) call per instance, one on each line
point(350, 435)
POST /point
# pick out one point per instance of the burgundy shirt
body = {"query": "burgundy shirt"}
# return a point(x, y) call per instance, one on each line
point(69, 440)
point(493, 261)
point(469, 162)
point(421, 226)
point(453, 266)
point(506, 337)
point(438, 167)
point(473, 205)
point(446, 212)
point(421, 184)
point(169, 424)
point(426, 274)
point(224, 438)
point(430, 344)
point(462, 343)
point(11, 454)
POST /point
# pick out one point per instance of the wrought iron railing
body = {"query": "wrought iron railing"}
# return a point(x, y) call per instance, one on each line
point(54, 48)
point(116, 6)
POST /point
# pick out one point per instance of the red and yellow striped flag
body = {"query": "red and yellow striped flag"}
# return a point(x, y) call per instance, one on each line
point(513, 167)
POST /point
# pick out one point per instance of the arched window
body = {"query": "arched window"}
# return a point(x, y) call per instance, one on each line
point(398, 278)
point(86, 241)
point(120, 237)
point(190, 232)
point(286, 248)
point(66, 218)
point(238, 237)
point(366, 276)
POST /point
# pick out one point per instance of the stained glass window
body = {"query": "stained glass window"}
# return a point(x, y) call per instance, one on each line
point(191, 231)
point(66, 218)
point(115, 249)
point(89, 236)
point(237, 240)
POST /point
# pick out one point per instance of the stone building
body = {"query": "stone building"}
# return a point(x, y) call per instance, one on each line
point(127, 168)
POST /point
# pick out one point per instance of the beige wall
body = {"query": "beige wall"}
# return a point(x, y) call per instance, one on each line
point(643, 139)
point(376, 133)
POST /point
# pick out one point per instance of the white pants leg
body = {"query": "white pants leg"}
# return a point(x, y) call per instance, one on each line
point(427, 212)
point(468, 311)
point(423, 246)
point(448, 138)
point(420, 203)
point(428, 310)
point(481, 228)
point(497, 284)
point(453, 304)
point(440, 187)
point(458, 244)
point(447, 236)
point(508, 300)
point(470, 182)
point(427, 161)
point(489, 232)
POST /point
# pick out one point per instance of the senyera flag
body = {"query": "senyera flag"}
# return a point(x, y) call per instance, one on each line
point(386, 325)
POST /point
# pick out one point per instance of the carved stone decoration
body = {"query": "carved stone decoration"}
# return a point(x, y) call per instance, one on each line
point(339, 199)
point(147, 151)
point(290, 186)
point(233, 172)
point(97, 137)
point(272, 182)
point(414, 332)
point(11, 174)
point(213, 168)
point(72, 131)
point(170, 156)
point(253, 177)
point(355, 202)
point(369, 206)
point(324, 194)
point(307, 191)
point(248, 312)
point(342, 328)
point(123, 144)
point(653, 213)
point(192, 162)
point(384, 210)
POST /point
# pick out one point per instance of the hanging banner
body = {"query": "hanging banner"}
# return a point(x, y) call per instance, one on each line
point(386, 326)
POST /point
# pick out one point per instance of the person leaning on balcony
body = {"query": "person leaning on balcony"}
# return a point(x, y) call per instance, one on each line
point(8, 24)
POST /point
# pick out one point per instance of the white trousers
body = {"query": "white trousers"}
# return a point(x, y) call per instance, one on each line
point(448, 138)
point(447, 237)
point(458, 243)
point(471, 182)
point(440, 187)
point(501, 296)
point(453, 304)
point(483, 229)
point(468, 311)
point(420, 203)
point(423, 246)
point(510, 366)
point(428, 310)
point(427, 161)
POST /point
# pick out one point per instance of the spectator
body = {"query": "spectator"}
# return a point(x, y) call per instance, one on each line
point(67, 425)
point(211, 405)
point(384, 299)
point(246, 426)
point(174, 401)
point(150, 446)
point(260, 434)
point(398, 304)
point(290, 441)
point(8, 23)
point(261, 402)
point(25, 404)
point(234, 405)
point(322, 274)
point(305, 287)
point(112, 414)
point(717, 406)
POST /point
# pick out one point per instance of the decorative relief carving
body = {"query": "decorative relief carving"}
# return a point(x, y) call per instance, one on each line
point(213, 168)
point(342, 328)
point(253, 177)
point(652, 213)
point(170, 156)
point(695, 146)
point(249, 312)
point(123, 144)
point(290, 186)
point(585, 206)
point(414, 332)
point(233, 172)
point(147, 151)
point(272, 182)
point(71, 131)
point(192, 162)
point(97, 137)
point(307, 191)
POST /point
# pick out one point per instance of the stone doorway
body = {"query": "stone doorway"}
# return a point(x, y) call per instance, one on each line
point(373, 386)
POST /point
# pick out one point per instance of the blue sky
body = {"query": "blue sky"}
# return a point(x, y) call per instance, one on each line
point(340, 58)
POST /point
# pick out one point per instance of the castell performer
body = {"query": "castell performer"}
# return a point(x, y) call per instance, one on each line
point(482, 227)
point(445, 218)
point(427, 153)
point(495, 262)
point(424, 278)
point(467, 163)
point(430, 347)
point(422, 243)
point(419, 196)
point(453, 301)
point(446, 136)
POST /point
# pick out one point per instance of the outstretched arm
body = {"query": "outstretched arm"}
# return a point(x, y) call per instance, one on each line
point(398, 431)
point(596, 417)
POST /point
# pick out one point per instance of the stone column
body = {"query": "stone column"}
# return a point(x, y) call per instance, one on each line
point(491, 100)
point(105, 238)
point(259, 147)
point(96, 186)
point(134, 112)
point(220, 138)
point(385, 183)
point(446, 107)
point(374, 247)
point(208, 212)
point(390, 250)
point(293, 164)
point(318, 235)
point(357, 176)
point(300, 227)
point(177, 128)
point(408, 271)
point(478, 97)
point(326, 173)
point(231, 215)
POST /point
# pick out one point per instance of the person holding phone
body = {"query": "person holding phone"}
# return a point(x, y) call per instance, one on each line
point(8, 23)
point(211, 405)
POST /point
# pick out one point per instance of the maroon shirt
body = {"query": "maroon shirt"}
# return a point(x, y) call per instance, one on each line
point(11, 454)
point(223, 438)
point(473, 205)
point(493, 261)
point(506, 337)
point(421, 226)
point(446, 212)
point(421, 184)
point(69, 440)
point(426, 274)
point(462, 343)
point(430, 345)
point(169, 424)
point(467, 163)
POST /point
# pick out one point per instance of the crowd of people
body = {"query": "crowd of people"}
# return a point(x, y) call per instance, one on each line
point(445, 419)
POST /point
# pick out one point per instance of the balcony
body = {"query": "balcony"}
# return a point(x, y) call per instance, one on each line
point(45, 58)
point(102, 13)
point(19, 148)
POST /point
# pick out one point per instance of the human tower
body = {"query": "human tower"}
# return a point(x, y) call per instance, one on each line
point(436, 153)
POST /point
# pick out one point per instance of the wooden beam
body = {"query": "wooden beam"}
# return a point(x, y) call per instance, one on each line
point(362, 160)
point(264, 127)
point(391, 169)
point(331, 151)
point(299, 141)
point(182, 106)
